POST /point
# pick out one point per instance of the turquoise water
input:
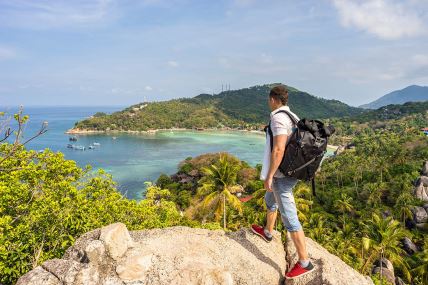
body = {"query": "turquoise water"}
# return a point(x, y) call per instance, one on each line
point(134, 159)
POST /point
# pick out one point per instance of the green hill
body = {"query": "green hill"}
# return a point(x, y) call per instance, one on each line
point(243, 108)
point(392, 111)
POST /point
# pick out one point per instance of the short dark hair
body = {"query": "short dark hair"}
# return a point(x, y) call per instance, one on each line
point(280, 92)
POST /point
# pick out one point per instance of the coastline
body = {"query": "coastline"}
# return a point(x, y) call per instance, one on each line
point(154, 131)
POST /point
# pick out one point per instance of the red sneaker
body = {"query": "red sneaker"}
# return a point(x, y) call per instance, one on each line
point(258, 230)
point(298, 270)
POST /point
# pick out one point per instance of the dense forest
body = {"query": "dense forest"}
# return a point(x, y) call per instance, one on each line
point(244, 108)
point(365, 208)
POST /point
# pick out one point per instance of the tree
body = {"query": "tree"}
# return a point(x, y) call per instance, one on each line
point(218, 187)
point(385, 237)
point(344, 206)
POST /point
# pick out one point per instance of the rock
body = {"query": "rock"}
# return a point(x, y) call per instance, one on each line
point(424, 170)
point(388, 274)
point(64, 270)
point(420, 215)
point(409, 246)
point(183, 256)
point(420, 192)
point(385, 264)
point(330, 269)
point(423, 180)
point(117, 239)
point(39, 276)
point(95, 251)
point(134, 266)
point(77, 251)
point(210, 257)
point(399, 281)
point(425, 206)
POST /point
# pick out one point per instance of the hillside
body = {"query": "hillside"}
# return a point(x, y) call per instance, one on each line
point(392, 111)
point(413, 93)
point(243, 108)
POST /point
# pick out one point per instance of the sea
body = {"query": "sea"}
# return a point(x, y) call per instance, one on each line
point(132, 159)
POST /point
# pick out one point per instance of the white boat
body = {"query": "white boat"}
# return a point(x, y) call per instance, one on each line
point(96, 144)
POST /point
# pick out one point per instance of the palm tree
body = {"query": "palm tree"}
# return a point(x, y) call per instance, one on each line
point(421, 271)
point(218, 187)
point(385, 239)
point(403, 206)
point(344, 206)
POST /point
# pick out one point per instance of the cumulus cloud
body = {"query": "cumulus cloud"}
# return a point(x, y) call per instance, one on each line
point(148, 88)
point(386, 19)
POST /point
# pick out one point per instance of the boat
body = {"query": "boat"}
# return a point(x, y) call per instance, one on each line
point(96, 144)
point(72, 139)
point(79, 147)
point(70, 145)
point(91, 147)
point(114, 138)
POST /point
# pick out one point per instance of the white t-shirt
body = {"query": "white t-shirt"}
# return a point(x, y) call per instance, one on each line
point(280, 124)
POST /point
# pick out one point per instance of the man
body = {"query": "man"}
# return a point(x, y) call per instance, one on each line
point(279, 188)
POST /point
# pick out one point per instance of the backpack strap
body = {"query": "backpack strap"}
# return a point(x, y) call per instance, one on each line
point(269, 129)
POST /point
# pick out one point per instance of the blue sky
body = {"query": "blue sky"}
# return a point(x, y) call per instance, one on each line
point(121, 52)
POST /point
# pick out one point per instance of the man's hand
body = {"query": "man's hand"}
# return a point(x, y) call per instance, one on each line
point(268, 184)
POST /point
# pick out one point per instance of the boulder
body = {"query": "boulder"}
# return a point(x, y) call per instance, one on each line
point(330, 269)
point(39, 276)
point(424, 170)
point(421, 192)
point(423, 180)
point(184, 256)
point(117, 239)
point(409, 246)
point(420, 215)
point(385, 264)
point(388, 274)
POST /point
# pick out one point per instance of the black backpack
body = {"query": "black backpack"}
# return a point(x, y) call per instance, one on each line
point(305, 148)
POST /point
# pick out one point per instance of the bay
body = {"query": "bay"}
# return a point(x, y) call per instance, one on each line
point(133, 159)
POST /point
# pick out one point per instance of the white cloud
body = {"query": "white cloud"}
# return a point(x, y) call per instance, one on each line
point(173, 63)
point(148, 88)
point(384, 18)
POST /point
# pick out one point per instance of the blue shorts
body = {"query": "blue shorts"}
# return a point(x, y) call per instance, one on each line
point(282, 197)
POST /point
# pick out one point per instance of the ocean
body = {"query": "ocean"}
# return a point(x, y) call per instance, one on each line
point(133, 159)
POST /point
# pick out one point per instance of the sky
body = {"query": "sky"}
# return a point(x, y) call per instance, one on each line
point(107, 52)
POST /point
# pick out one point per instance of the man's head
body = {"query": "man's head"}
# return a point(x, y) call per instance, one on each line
point(278, 97)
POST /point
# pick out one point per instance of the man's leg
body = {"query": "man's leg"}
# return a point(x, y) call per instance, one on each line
point(282, 189)
point(270, 220)
point(298, 238)
point(266, 231)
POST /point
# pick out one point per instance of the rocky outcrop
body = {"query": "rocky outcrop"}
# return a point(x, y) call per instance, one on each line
point(181, 255)
point(421, 184)
point(330, 269)
point(409, 246)
point(387, 269)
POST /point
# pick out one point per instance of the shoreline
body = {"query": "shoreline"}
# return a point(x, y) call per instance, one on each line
point(154, 131)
